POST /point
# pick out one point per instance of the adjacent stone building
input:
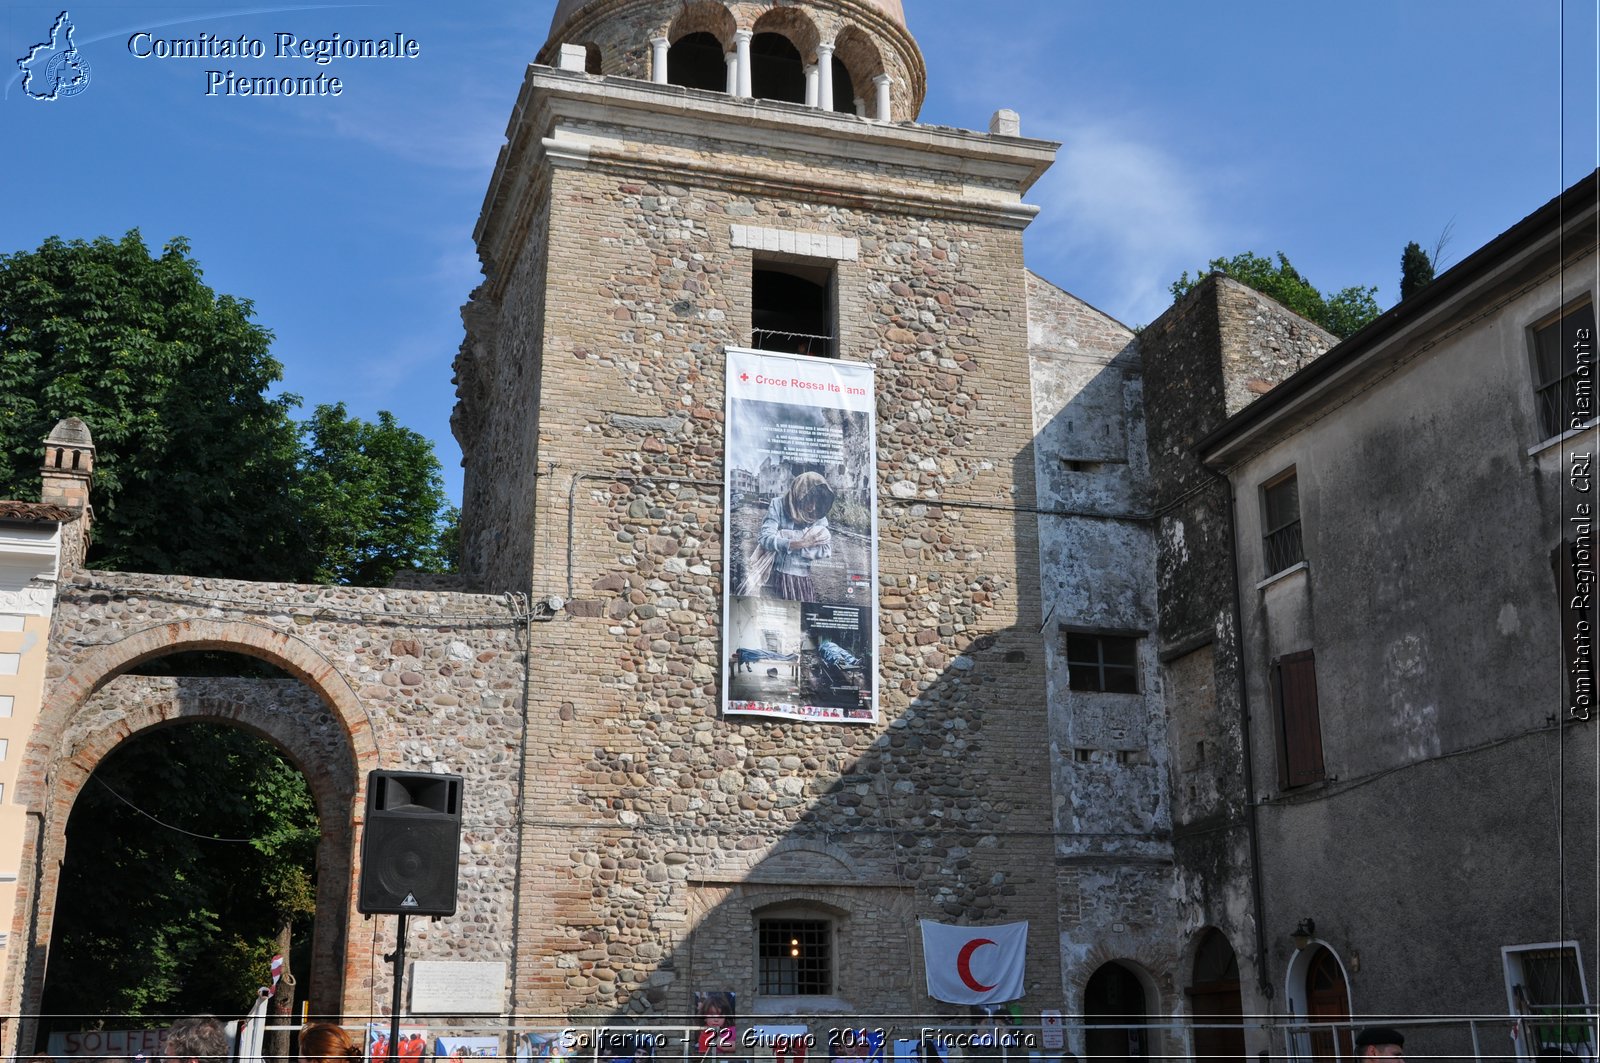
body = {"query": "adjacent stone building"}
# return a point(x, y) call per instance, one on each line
point(1410, 797)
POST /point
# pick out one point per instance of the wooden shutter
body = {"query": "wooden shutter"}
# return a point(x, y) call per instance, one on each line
point(1299, 723)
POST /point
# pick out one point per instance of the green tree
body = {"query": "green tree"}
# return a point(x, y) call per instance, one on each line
point(1341, 313)
point(370, 498)
point(1416, 270)
point(194, 458)
point(198, 470)
point(187, 852)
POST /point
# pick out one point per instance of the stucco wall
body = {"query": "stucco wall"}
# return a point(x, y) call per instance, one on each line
point(1429, 513)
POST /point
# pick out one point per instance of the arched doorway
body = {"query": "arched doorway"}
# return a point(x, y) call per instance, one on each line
point(1327, 1001)
point(1215, 1003)
point(189, 864)
point(1115, 1013)
point(312, 714)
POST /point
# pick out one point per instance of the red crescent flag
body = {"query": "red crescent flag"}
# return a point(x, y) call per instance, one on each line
point(974, 964)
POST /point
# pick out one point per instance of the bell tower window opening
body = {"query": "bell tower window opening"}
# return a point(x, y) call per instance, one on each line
point(792, 308)
point(776, 70)
point(844, 88)
point(697, 61)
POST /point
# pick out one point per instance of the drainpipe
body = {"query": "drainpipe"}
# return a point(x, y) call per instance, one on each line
point(1263, 984)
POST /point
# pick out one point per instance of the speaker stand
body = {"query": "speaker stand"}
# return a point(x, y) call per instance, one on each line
point(399, 958)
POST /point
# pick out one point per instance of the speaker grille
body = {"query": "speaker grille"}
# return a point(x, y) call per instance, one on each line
point(409, 852)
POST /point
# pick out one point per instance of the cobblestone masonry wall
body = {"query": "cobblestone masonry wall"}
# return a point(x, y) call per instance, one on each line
point(500, 486)
point(648, 813)
point(868, 42)
point(394, 679)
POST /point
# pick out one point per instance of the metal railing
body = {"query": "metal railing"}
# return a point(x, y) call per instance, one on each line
point(1569, 1037)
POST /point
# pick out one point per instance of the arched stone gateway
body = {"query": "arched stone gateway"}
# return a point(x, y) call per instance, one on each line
point(399, 679)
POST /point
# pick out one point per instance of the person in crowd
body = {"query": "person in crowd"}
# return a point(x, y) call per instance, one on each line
point(198, 1039)
point(717, 1035)
point(795, 532)
point(328, 1042)
point(1380, 1042)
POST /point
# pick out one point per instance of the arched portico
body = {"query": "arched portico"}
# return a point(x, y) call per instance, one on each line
point(90, 709)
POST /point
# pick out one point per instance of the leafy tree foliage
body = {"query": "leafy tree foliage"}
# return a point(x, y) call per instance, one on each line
point(370, 497)
point(186, 852)
point(1341, 313)
point(198, 470)
point(1416, 270)
point(194, 458)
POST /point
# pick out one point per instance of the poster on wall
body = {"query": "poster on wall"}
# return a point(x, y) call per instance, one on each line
point(800, 539)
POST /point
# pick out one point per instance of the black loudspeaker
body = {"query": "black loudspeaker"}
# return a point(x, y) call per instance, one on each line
point(411, 844)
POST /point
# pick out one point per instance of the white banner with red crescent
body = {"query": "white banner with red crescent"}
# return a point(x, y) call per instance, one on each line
point(974, 964)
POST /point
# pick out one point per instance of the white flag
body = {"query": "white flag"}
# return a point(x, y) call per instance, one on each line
point(974, 964)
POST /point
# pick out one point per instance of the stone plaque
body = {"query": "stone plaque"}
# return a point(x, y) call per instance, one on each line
point(450, 987)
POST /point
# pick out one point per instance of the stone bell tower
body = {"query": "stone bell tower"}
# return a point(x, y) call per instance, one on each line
point(681, 180)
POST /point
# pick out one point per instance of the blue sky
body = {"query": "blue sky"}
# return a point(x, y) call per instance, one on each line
point(1334, 132)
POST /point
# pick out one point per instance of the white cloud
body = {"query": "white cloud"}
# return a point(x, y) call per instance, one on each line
point(1120, 219)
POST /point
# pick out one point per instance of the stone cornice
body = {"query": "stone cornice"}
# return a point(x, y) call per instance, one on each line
point(558, 118)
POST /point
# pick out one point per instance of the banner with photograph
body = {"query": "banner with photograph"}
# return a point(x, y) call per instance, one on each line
point(800, 534)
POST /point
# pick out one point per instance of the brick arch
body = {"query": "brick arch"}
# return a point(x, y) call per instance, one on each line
point(131, 706)
point(1158, 990)
point(704, 16)
point(796, 25)
point(94, 668)
point(860, 56)
point(75, 732)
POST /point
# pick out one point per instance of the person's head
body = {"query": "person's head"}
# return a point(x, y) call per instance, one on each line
point(198, 1039)
point(1380, 1042)
point(328, 1041)
point(810, 498)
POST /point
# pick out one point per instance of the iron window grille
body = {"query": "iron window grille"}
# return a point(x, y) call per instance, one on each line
point(1281, 542)
point(796, 957)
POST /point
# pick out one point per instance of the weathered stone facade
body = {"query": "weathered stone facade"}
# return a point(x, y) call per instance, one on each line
point(1221, 346)
point(663, 831)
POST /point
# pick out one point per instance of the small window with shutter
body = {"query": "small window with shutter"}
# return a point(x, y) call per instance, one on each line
point(1294, 695)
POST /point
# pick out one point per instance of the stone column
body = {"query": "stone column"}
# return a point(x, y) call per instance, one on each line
point(825, 76)
point(811, 85)
point(733, 73)
point(658, 60)
point(881, 111)
point(741, 50)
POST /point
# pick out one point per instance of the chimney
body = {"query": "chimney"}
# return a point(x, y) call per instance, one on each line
point(68, 469)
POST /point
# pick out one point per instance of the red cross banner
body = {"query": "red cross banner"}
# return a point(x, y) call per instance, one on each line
point(974, 964)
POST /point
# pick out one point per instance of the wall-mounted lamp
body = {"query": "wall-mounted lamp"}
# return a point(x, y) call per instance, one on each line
point(1304, 934)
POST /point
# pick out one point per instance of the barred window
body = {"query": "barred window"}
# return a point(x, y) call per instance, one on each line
point(795, 957)
point(1280, 508)
point(792, 307)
